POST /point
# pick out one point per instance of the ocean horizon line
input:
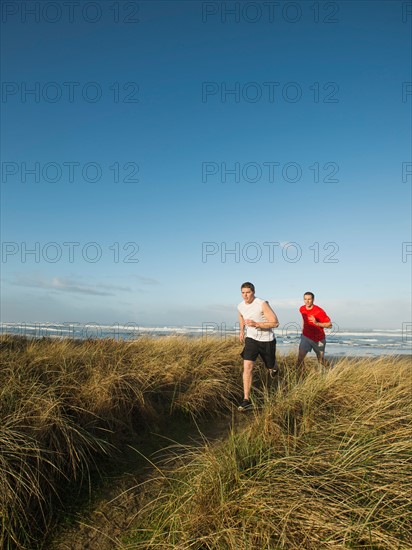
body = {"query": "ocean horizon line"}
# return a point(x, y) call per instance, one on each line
point(340, 342)
point(132, 325)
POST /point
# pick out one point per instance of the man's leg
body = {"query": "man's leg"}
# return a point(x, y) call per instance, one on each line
point(268, 354)
point(320, 354)
point(304, 348)
point(301, 357)
point(247, 378)
point(303, 351)
point(323, 363)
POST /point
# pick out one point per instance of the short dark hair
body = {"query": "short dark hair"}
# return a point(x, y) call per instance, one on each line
point(309, 294)
point(248, 285)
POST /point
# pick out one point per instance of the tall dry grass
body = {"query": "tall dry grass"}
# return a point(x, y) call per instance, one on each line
point(65, 405)
point(325, 463)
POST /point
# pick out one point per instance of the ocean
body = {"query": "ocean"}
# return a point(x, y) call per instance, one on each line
point(340, 342)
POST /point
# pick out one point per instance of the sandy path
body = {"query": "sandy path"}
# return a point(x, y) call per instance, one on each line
point(104, 522)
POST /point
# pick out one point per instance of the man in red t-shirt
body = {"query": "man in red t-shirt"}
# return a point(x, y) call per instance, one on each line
point(313, 335)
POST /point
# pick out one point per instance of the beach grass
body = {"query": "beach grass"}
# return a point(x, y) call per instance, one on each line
point(323, 461)
point(69, 407)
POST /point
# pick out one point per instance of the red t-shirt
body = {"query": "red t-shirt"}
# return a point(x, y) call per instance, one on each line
point(309, 329)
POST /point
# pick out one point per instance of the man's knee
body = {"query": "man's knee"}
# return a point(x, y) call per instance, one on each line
point(248, 365)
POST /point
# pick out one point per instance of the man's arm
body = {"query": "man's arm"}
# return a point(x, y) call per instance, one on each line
point(241, 328)
point(321, 325)
point(326, 322)
point(271, 322)
point(272, 319)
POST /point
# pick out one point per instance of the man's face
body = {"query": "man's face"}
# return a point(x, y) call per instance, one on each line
point(248, 295)
point(307, 298)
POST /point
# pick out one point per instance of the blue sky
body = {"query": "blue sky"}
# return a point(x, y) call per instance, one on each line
point(183, 148)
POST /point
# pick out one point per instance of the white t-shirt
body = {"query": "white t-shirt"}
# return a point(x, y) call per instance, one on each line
point(254, 311)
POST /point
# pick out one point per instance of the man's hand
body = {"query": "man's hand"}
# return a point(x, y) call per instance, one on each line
point(312, 319)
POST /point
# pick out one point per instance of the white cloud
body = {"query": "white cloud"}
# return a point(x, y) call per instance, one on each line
point(147, 280)
point(60, 284)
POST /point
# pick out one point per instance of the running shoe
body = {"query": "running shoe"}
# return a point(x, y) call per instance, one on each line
point(245, 405)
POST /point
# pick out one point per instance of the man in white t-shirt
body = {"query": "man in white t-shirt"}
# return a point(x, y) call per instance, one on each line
point(259, 319)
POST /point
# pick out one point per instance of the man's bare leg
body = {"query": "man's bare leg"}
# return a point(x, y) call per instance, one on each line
point(323, 364)
point(247, 378)
point(301, 357)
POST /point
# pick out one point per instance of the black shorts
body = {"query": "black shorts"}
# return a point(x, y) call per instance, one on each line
point(267, 351)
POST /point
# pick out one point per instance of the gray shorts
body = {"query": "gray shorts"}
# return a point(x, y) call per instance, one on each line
point(306, 345)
